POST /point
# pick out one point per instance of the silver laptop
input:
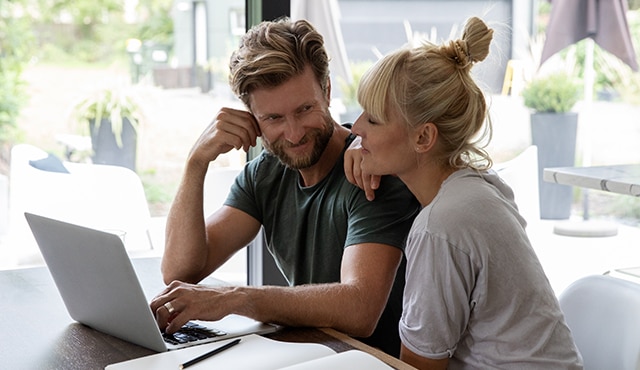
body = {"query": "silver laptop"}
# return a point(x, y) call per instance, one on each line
point(100, 289)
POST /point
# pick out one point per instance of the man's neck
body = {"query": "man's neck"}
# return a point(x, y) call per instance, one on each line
point(317, 172)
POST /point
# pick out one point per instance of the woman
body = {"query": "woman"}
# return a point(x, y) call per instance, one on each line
point(476, 295)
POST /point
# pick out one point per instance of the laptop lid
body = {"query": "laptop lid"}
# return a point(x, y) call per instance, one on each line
point(100, 289)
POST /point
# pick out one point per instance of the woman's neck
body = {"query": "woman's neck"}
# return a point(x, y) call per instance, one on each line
point(425, 181)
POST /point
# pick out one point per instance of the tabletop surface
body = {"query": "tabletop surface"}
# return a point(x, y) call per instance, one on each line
point(37, 332)
point(621, 179)
point(629, 273)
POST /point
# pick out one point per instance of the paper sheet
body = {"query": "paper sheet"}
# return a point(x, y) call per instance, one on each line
point(348, 360)
point(254, 352)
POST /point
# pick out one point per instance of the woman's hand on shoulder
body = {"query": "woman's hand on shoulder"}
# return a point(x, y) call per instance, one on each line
point(353, 170)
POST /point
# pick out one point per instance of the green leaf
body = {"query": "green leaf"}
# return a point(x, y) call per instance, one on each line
point(553, 93)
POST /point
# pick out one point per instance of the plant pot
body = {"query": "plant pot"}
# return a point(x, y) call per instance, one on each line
point(106, 149)
point(555, 136)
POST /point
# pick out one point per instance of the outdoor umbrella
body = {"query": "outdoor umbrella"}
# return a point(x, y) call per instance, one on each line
point(601, 21)
point(604, 21)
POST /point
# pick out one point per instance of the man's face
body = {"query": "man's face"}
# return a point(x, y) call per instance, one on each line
point(294, 119)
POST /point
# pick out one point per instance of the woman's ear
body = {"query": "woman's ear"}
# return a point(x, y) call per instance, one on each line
point(426, 136)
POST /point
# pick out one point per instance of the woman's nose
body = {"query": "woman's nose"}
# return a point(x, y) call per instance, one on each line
point(356, 128)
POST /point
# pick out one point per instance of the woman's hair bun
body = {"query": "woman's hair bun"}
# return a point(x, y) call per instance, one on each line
point(477, 39)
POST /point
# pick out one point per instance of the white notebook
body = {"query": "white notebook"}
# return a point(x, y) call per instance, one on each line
point(255, 352)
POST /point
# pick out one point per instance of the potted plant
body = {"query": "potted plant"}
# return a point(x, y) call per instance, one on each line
point(551, 99)
point(113, 119)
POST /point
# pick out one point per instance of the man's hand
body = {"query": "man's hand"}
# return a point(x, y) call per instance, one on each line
point(352, 306)
point(230, 129)
point(353, 170)
point(189, 302)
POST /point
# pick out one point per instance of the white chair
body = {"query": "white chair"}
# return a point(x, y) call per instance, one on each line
point(109, 198)
point(521, 174)
point(217, 184)
point(603, 313)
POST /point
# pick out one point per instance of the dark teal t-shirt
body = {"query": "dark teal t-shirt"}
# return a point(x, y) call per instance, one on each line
point(307, 228)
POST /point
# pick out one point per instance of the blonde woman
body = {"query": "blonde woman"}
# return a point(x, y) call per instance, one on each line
point(476, 296)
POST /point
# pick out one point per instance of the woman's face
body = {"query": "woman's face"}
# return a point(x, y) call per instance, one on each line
point(386, 146)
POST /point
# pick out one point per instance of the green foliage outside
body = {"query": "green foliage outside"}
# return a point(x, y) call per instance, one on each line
point(611, 74)
point(94, 32)
point(15, 50)
point(155, 192)
point(554, 93)
point(72, 33)
point(158, 26)
point(349, 90)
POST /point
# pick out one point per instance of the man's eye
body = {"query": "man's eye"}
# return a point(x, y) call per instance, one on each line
point(305, 109)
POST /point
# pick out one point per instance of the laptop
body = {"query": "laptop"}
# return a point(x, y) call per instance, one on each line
point(100, 289)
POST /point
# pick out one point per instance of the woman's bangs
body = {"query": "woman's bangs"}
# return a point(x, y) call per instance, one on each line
point(372, 92)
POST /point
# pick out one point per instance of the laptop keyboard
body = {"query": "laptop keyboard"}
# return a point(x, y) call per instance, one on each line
point(192, 332)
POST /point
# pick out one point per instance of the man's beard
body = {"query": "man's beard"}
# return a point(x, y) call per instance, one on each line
point(320, 138)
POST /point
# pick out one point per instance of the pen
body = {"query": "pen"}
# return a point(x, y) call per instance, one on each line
point(209, 354)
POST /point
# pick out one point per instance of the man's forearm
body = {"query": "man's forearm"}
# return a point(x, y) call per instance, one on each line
point(185, 243)
point(348, 308)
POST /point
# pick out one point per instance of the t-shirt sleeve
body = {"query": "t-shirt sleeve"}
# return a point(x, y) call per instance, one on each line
point(387, 219)
point(242, 194)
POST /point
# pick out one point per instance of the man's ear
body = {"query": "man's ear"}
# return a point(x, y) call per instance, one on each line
point(426, 136)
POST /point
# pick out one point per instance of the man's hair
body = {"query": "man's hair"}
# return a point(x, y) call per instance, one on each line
point(272, 52)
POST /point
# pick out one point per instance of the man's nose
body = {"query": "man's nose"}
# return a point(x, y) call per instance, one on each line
point(293, 132)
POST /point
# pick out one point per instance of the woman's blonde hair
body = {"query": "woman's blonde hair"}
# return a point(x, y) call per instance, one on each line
point(433, 83)
point(272, 52)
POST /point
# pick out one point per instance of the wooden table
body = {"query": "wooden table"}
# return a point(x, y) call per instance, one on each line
point(37, 332)
point(620, 179)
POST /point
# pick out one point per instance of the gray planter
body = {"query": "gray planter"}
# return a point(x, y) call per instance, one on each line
point(555, 136)
point(106, 149)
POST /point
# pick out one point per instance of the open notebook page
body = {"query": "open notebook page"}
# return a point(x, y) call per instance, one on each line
point(254, 352)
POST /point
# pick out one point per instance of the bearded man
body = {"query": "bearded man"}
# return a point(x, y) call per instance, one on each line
point(341, 254)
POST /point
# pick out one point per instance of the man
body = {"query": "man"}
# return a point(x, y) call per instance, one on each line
point(338, 251)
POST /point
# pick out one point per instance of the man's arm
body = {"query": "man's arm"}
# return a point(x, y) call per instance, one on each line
point(194, 249)
point(185, 238)
point(352, 306)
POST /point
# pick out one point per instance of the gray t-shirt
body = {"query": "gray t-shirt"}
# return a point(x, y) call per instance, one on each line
point(475, 289)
